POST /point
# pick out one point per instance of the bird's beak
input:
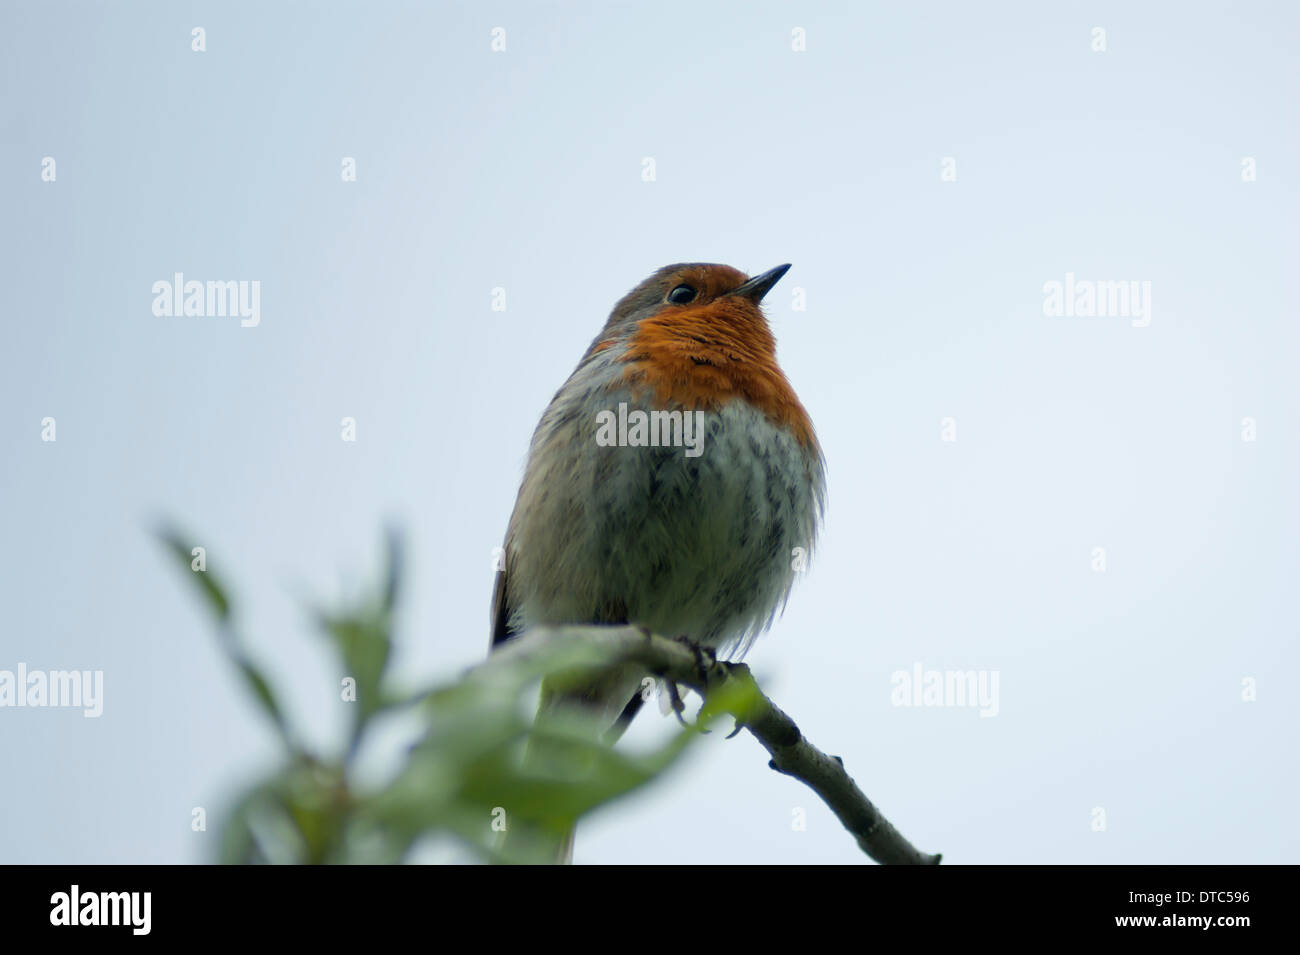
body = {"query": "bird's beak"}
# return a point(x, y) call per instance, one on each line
point(759, 285)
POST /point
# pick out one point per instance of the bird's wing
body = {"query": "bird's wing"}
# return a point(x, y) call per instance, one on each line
point(501, 606)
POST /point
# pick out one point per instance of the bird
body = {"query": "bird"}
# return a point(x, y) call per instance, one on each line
point(674, 482)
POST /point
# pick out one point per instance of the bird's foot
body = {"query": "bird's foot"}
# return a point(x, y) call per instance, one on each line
point(675, 697)
point(705, 658)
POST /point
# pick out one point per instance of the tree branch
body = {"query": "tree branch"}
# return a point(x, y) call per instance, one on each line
point(730, 688)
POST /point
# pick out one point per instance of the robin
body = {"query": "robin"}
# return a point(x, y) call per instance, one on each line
point(674, 482)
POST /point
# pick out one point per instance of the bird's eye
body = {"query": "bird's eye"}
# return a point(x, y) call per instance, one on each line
point(682, 295)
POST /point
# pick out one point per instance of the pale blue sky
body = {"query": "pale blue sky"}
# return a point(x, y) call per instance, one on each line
point(523, 170)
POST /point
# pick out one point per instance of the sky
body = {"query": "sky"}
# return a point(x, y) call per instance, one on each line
point(1090, 509)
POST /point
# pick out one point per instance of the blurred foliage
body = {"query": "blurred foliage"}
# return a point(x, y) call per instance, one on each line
point(464, 776)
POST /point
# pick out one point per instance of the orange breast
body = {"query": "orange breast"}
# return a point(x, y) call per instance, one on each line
point(704, 357)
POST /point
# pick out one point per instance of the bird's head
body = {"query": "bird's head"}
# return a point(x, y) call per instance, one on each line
point(694, 336)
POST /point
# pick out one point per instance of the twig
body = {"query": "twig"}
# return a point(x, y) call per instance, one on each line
point(791, 753)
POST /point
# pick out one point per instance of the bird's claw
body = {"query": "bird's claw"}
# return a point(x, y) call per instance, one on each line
point(675, 698)
point(679, 707)
point(706, 661)
point(705, 658)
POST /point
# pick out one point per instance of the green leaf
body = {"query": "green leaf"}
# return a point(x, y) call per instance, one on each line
point(394, 572)
point(480, 760)
point(178, 544)
point(181, 547)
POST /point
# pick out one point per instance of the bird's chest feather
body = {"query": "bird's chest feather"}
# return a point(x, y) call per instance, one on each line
point(690, 529)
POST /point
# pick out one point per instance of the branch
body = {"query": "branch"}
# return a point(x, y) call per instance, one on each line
point(730, 688)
